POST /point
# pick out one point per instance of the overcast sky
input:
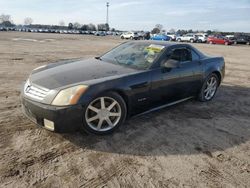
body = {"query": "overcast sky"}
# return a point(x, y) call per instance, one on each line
point(223, 15)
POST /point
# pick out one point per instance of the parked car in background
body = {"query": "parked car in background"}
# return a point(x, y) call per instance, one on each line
point(231, 38)
point(242, 39)
point(202, 37)
point(98, 94)
point(160, 37)
point(130, 35)
point(140, 35)
point(144, 35)
point(219, 40)
point(172, 37)
point(187, 38)
point(100, 33)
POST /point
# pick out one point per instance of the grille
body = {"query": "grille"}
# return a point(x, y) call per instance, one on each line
point(35, 92)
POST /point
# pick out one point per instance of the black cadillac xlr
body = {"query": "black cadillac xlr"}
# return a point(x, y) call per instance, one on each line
point(98, 94)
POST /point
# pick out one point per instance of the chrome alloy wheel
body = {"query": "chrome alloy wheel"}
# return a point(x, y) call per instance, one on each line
point(211, 87)
point(103, 114)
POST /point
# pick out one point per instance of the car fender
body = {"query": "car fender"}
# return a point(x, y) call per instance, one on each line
point(216, 65)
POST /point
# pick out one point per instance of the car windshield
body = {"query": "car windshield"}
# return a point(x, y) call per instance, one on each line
point(134, 55)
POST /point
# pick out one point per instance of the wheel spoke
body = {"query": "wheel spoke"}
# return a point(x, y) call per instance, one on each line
point(99, 126)
point(211, 80)
point(208, 83)
point(109, 122)
point(102, 103)
point(92, 118)
point(207, 94)
point(112, 105)
point(214, 83)
point(206, 90)
point(114, 114)
point(93, 108)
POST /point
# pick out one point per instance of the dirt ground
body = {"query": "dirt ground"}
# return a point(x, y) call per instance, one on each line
point(192, 144)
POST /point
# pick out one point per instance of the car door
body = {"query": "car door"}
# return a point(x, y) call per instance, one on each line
point(172, 84)
point(186, 38)
point(220, 40)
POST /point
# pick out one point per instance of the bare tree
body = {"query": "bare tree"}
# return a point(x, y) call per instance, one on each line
point(102, 27)
point(5, 18)
point(155, 30)
point(28, 21)
point(159, 26)
point(61, 23)
point(76, 25)
point(84, 27)
point(91, 27)
point(172, 31)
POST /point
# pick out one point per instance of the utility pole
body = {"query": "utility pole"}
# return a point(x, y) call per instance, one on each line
point(107, 16)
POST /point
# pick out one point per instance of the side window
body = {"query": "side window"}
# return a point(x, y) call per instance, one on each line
point(195, 56)
point(176, 54)
point(181, 54)
point(186, 55)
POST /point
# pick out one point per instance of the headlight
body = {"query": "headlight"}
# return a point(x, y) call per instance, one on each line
point(69, 96)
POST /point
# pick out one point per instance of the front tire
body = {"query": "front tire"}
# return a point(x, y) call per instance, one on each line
point(209, 88)
point(104, 114)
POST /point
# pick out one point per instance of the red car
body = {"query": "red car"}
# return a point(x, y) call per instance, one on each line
point(219, 40)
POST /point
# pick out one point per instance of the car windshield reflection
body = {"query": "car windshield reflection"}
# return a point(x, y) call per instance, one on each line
point(134, 55)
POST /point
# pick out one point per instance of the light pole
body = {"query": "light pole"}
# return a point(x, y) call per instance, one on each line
point(107, 16)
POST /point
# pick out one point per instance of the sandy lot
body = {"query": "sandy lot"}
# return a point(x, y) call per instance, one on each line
point(192, 144)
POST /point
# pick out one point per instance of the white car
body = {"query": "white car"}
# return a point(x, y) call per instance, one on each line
point(202, 37)
point(187, 38)
point(130, 35)
point(172, 36)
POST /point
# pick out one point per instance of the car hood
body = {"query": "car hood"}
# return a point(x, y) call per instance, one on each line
point(57, 75)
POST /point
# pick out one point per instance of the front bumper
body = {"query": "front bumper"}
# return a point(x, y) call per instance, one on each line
point(65, 119)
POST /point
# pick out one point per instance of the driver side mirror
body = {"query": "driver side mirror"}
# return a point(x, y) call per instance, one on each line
point(171, 63)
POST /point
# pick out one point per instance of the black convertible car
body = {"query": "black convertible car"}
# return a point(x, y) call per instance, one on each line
point(98, 94)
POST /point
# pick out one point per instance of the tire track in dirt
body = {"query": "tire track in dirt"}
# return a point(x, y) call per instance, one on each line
point(17, 167)
point(105, 174)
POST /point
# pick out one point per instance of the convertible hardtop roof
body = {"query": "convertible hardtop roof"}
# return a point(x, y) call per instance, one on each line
point(169, 44)
point(163, 43)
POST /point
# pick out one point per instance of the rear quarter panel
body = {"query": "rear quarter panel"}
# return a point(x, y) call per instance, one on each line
point(214, 64)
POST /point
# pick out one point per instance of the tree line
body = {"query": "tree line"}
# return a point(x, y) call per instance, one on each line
point(5, 21)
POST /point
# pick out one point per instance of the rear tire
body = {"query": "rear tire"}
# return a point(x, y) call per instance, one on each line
point(104, 114)
point(192, 40)
point(131, 38)
point(209, 88)
point(122, 37)
point(179, 40)
point(210, 42)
